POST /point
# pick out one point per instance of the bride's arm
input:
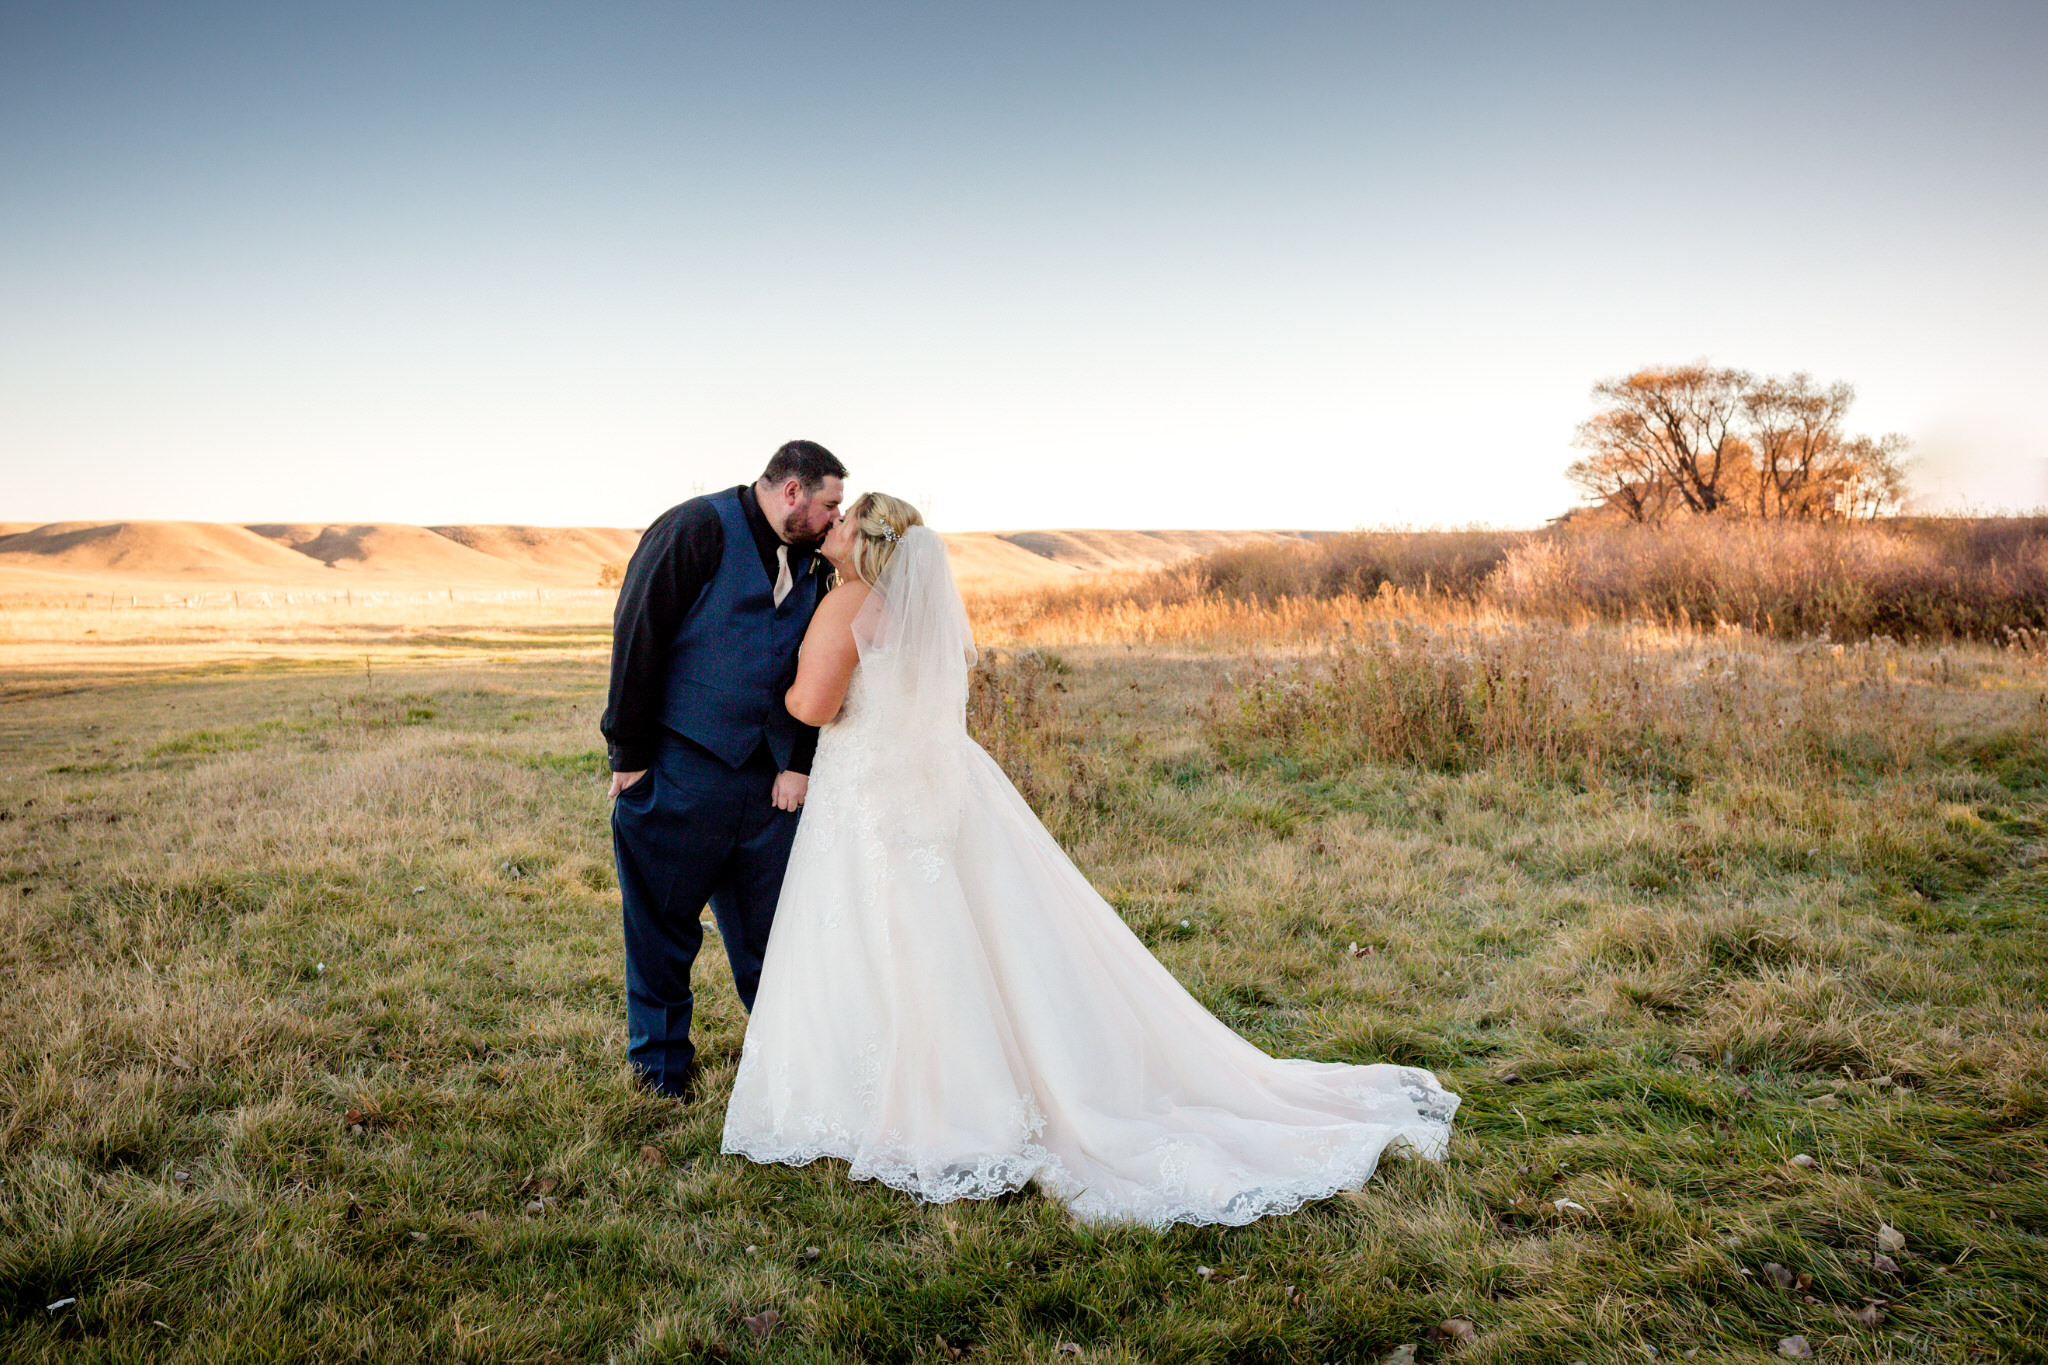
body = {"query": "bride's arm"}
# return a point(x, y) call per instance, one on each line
point(825, 666)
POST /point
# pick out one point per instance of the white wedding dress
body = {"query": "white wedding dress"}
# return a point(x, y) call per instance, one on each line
point(948, 1006)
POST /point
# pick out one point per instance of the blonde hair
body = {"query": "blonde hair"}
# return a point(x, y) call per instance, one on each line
point(880, 520)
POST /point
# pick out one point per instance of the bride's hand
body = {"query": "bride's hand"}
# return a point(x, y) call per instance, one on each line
point(621, 781)
point(790, 790)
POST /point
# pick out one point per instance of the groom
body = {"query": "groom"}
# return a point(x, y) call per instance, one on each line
point(708, 766)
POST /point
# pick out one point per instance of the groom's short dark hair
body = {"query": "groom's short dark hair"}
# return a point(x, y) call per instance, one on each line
point(804, 460)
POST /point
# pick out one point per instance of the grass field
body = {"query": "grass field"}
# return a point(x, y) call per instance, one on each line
point(311, 1036)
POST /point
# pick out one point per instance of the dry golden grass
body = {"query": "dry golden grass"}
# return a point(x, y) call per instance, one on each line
point(1911, 579)
point(310, 1035)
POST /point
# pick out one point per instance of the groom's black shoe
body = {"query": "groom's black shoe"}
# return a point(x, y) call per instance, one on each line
point(686, 1094)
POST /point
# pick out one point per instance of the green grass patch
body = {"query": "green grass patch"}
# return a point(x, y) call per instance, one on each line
point(312, 1043)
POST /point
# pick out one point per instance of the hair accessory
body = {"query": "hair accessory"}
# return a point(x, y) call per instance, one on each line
point(889, 534)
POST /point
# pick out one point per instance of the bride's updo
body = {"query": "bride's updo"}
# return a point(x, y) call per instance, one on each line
point(881, 521)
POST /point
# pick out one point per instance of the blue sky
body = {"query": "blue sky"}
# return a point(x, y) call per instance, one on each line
point(1039, 265)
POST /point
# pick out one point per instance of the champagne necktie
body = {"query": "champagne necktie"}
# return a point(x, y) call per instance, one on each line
point(783, 582)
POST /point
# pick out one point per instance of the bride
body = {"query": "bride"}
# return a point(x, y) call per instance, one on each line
point(946, 1003)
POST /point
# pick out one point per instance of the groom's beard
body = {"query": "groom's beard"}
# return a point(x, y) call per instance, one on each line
point(805, 539)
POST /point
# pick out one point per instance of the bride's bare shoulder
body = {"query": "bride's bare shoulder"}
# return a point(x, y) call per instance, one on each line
point(847, 596)
point(837, 610)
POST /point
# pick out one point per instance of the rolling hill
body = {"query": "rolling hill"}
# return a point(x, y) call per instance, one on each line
point(183, 556)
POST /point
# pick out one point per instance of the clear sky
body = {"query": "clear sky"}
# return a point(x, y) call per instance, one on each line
point(1097, 264)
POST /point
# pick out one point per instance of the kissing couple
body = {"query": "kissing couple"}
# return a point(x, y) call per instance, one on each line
point(936, 995)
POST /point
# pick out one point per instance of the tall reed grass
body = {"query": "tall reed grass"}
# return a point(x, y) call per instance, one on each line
point(1929, 579)
point(1925, 578)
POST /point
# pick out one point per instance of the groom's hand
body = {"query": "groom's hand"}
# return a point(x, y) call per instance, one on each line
point(621, 781)
point(790, 790)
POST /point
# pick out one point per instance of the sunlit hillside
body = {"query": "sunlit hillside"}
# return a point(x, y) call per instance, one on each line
point(149, 560)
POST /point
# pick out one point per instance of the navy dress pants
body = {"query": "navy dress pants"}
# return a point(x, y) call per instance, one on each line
point(693, 831)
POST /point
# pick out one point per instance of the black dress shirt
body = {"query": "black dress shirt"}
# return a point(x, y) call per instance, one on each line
point(677, 556)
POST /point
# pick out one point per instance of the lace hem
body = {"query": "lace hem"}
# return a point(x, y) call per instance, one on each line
point(993, 1176)
point(985, 1179)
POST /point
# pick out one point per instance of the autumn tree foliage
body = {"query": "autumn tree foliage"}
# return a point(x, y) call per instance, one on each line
point(1701, 440)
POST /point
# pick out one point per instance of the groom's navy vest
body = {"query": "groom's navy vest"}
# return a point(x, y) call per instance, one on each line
point(735, 653)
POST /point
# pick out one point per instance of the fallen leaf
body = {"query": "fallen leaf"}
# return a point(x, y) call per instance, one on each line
point(1569, 1206)
point(1883, 1264)
point(809, 1254)
point(1822, 1102)
point(1867, 1315)
point(949, 1350)
point(1069, 1348)
point(180, 1063)
point(651, 1155)
point(1890, 1238)
point(1457, 1331)
point(417, 1236)
point(1880, 1080)
point(1803, 1161)
point(61, 1303)
point(1795, 1347)
point(1805, 1282)
point(352, 1117)
point(1205, 1272)
point(1404, 1354)
point(1780, 1276)
point(1510, 1078)
point(181, 1177)
point(763, 1324)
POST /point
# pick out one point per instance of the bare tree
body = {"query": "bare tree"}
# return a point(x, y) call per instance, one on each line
point(1870, 477)
point(1666, 438)
point(1620, 469)
point(1703, 440)
point(1798, 437)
